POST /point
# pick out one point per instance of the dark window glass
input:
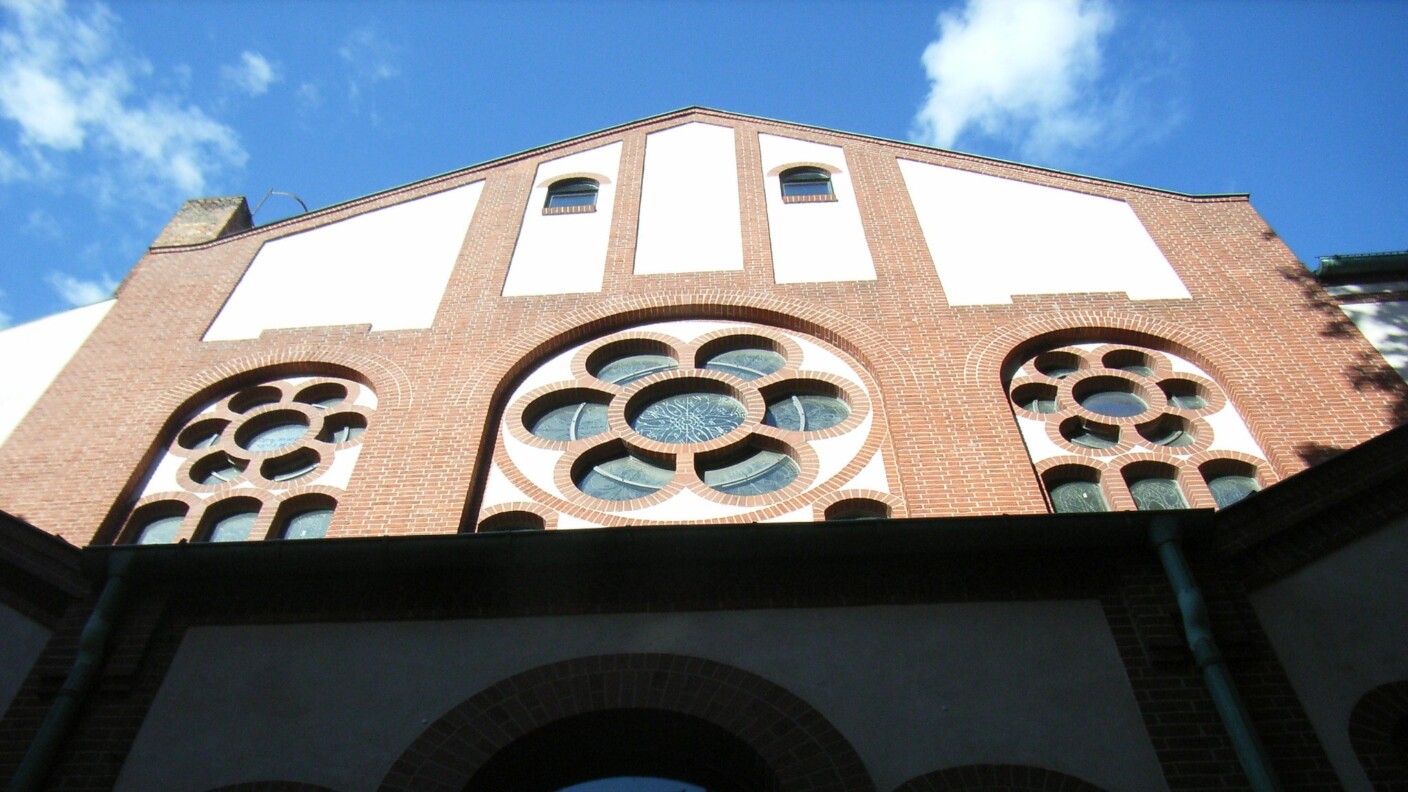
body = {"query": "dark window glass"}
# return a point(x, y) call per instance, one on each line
point(1057, 364)
point(1154, 494)
point(1170, 432)
point(1183, 395)
point(571, 421)
point(572, 192)
point(311, 524)
point(1227, 490)
point(757, 474)
point(276, 437)
point(806, 412)
point(216, 470)
point(234, 527)
point(295, 465)
point(162, 530)
point(633, 784)
point(1091, 435)
point(628, 369)
point(689, 417)
point(343, 428)
point(798, 182)
point(750, 364)
point(1114, 403)
point(624, 478)
point(1073, 497)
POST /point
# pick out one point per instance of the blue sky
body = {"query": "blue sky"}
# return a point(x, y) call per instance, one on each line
point(112, 115)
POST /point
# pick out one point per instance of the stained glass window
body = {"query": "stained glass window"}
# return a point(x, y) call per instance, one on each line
point(276, 437)
point(343, 428)
point(806, 412)
point(311, 524)
point(571, 421)
point(689, 417)
point(750, 364)
point(1074, 497)
point(1091, 435)
point(1227, 490)
point(1154, 494)
point(1170, 432)
point(1114, 403)
point(234, 527)
point(628, 369)
point(623, 478)
point(216, 470)
point(162, 530)
point(759, 473)
point(1183, 395)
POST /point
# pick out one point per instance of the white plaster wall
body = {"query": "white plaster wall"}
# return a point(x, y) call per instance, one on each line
point(689, 218)
point(565, 253)
point(23, 640)
point(684, 506)
point(1385, 324)
point(991, 238)
point(1337, 626)
point(834, 453)
point(498, 489)
point(814, 242)
point(387, 268)
point(35, 353)
point(871, 477)
point(1230, 433)
point(913, 688)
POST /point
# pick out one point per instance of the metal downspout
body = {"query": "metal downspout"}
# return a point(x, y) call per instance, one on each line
point(1166, 537)
point(92, 650)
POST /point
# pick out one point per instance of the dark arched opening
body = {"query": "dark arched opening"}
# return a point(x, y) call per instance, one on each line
point(623, 744)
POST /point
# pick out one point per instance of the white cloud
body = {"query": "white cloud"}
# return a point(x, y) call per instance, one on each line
point(370, 59)
point(1024, 72)
point(39, 223)
point(68, 87)
point(253, 75)
point(77, 292)
point(5, 319)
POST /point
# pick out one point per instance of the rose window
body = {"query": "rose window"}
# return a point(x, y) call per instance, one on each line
point(727, 418)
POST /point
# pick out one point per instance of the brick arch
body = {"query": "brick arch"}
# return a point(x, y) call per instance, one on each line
point(996, 778)
point(884, 363)
point(798, 744)
point(989, 362)
point(1377, 719)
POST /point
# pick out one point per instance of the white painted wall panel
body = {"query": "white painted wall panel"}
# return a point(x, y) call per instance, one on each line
point(814, 242)
point(1385, 324)
point(689, 219)
point(387, 268)
point(35, 353)
point(991, 238)
point(565, 253)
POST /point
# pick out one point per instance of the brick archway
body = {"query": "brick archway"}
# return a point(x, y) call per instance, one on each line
point(801, 748)
point(1377, 727)
point(996, 778)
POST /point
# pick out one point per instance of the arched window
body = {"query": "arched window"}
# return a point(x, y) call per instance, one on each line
point(510, 522)
point(304, 517)
point(158, 523)
point(1075, 490)
point(1154, 487)
point(857, 509)
point(1229, 481)
point(230, 520)
point(576, 195)
point(806, 183)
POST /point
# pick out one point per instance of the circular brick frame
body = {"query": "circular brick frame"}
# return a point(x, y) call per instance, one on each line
point(799, 745)
point(1372, 725)
point(996, 778)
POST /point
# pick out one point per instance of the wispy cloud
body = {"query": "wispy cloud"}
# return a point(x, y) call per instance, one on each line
point(370, 59)
point(5, 319)
point(252, 75)
point(77, 292)
point(1029, 75)
point(39, 223)
point(69, 87)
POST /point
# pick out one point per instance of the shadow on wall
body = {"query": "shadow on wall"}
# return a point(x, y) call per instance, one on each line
point(1370, 371)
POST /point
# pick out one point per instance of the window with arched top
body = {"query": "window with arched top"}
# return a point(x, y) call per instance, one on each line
point(806, 183)
point(572, 195)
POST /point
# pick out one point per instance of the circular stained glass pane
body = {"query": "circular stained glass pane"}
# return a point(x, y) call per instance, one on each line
point(749, 364)
point(1092, 436)
point(1155, 494)
point(758, 474)
point(217, 471)
point(234, 528)
point(689, 417)
point(1171, 432)
point(1114, 403)
point(571, 422)
point(1137, 368)
point(162, 530)
point(1227, 490)
point(1184, 396)
point(1074, 497)
point(628, 369)
point(623, 478)
point(806, 412)
point(276, 437)
point(311, 524)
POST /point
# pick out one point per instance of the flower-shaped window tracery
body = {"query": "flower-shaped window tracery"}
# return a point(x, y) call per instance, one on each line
point(686, 421)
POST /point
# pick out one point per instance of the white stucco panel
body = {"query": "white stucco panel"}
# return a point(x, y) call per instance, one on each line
point(498, 489)
point(340, 471)
point(814, 242)
point(1385, 325)
point(689, 218)
point(387, 268)
point(35, 353)
point(565, 253)
point(568, 522)
point(1039, 445)
point(1230, 433)
point(683, 507)
point(871, 477)
point(991, 238)
point(163, 478)
point(803, 514)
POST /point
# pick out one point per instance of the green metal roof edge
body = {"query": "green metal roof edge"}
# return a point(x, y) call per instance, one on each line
point(1345, 266)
